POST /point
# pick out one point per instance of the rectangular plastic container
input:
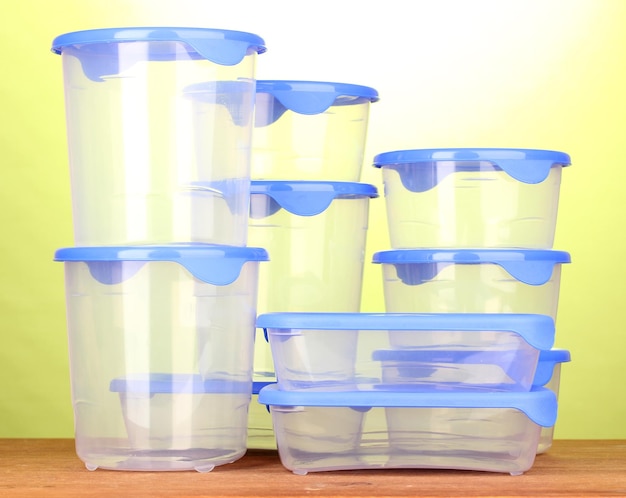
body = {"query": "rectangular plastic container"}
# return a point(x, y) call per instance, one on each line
point(137, 315)
point(321, 431)
point(548, 374)
point(472, 280)
point(159, 129)
point(315, 233)
point(409, 352)
point(472, 197)
point(310, 130)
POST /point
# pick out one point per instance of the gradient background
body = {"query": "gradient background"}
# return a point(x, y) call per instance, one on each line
point(504, 73)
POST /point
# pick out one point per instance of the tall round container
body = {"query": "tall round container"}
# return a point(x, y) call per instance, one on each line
point(315, 234)
point(472, 198)
point(310, 130)
point(161, 346)
point(159, 124)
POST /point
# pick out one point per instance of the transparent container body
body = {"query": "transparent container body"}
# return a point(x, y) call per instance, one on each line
point(138, 318)
point(153, 158)
point(547, 433)
point(315, 439)
point(466, 288)
point(316, 262)
point(468, 204)
point(328, 145)
point(423, 358)
point(260, 429)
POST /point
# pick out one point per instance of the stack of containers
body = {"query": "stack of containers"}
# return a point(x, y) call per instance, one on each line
point(161, 286)
point(307, 207)
point(448, 377)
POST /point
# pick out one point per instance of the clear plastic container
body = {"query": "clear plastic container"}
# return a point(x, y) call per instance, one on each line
point(406, 352)
point(260, 430)
point(159, 129)
point(496, 432)
point(472, 197)
point(548, 374)
point(145, 312)
point(310, 130)
point(472, 281)
point(315, 233)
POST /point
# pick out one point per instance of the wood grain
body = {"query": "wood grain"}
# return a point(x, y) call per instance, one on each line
point(50, 467)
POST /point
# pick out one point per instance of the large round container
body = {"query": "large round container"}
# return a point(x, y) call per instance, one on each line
point(472, 280)
point(159, 124)
point(310, 130)
point(472, 197)
point(315, 234)
point(158, 333)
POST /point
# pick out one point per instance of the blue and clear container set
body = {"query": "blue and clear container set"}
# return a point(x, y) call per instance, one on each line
point(214, 291)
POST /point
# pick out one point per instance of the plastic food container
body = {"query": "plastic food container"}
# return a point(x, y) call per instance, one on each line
point(414, 352)
point(260, 430)
point(548, 374)
point(137, 311)
point(472, 280)
point(315, 233)
point(169, 414)
point(310, 130)
point(159, 129)
point(472, 197)
point(320, 431)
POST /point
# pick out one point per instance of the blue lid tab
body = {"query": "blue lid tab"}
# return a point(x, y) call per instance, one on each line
point(418, 266)
point(213, 264)
point(307, 97)
point(539, 404)
point(422, 169)
point(304, 198)
point(547, 361)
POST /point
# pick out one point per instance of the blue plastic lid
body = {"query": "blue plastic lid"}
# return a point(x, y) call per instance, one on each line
point(223, 47)
point(547, 361)
point(525, 165)
point(168, 383)
point(537, 330)
point(539, 404)
point(307, 198)
point(417, 266)
point(214, 264)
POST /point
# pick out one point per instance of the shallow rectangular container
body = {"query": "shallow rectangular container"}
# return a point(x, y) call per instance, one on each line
point(321, 431)
point(482, 197)
point(310, 130)
point(548, 374)
point(471, 280)
point(138, 313)
point(412, 352)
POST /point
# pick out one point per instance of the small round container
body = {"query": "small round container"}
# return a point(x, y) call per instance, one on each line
point(137, 312)
point(310, 130)
point(315, 233)
point(159, 124)
point(472, 281)
point(472, 197)
point(548, 374)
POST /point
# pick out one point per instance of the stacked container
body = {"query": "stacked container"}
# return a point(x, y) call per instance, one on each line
point(307, 208)
point(162, 286)
point(448, 376)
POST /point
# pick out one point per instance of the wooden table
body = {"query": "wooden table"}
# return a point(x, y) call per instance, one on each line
point(49, 467)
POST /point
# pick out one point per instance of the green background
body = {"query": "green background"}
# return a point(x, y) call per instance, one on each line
point(532, 73)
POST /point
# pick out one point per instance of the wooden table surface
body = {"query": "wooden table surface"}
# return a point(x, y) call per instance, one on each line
point(50, 467)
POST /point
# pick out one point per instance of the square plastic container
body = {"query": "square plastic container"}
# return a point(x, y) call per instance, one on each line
point(409, 352)
point(315, 233)
point(472, 280)
point(472, 197)
point(548, 374)
point(132, 312)
point(169, 414)
point(159, 129)
point(310, 130)
point(496, 432)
